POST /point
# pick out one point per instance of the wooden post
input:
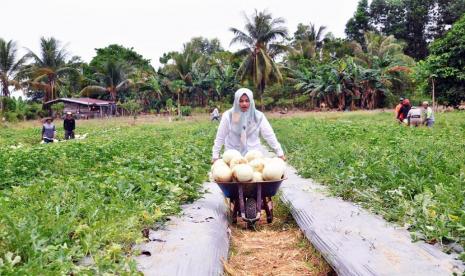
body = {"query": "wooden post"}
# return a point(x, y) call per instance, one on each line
point(432, 82)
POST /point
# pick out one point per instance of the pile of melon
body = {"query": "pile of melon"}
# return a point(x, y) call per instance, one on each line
point(252, 167)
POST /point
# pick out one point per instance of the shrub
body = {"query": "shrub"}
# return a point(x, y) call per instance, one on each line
point(11, 116)
point(9, 104)
point(58, 108)
point(302, 101)
point(289, 103)
point(186, 110)
point(33, 111)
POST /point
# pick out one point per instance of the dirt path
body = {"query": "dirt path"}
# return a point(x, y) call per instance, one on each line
point(278, 248)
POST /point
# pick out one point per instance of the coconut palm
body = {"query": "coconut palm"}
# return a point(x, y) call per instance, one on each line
point(9, 67)
point(262, 31)
point(307, 44)
point(149, 91)
point(49, 67)
point(310, 33)
point(112, 78)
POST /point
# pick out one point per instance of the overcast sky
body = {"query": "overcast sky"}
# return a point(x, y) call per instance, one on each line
point(153, 27)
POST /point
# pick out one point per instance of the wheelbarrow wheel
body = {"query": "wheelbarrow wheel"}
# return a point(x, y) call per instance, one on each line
point(250, 208)
point(251, 211)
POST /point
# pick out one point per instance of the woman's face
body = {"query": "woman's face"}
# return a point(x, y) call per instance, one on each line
point(244, 103)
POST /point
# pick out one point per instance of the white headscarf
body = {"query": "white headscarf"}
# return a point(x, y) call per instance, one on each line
point(245, 123)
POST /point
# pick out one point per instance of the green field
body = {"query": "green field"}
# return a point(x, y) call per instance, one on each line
point(63, 201)
point(412, 176)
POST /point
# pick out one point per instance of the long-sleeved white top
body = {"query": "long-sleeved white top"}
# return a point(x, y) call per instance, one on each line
point(226, 137)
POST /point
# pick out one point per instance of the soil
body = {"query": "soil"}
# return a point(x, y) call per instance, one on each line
point(279, 248)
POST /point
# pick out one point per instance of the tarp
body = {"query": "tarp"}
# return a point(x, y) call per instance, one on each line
point(191, 244)
point(357, 242)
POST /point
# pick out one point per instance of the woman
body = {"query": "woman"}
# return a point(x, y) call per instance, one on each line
point(48, 131)
point(241, 126)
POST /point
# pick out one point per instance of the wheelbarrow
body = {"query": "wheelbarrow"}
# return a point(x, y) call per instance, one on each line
point(248, 199)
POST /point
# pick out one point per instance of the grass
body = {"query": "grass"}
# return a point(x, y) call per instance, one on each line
point(412, 176)
point(64, 201)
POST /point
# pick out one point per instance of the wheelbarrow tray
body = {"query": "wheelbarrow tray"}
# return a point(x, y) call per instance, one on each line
point(231, 189)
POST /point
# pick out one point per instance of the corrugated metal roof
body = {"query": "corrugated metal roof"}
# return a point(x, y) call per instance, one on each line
point(83, 101)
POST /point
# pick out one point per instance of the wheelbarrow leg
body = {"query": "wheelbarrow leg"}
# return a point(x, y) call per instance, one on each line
point(259, 201)
point(234, 210)
point(268, 205)
point(241, 200)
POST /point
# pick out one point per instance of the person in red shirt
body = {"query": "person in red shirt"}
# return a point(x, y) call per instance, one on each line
point(398, 107)
point(403, 112)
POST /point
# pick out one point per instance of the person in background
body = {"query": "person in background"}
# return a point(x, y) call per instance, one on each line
point(428, 115)
point(398, 106)
point(414, 116)
point(403, 112)
point(69, 124)
point(48, 130)
point(215, 115)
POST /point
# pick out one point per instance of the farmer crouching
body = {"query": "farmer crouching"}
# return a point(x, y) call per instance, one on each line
point(428, 115)
point(241, 126)
point(414, 116)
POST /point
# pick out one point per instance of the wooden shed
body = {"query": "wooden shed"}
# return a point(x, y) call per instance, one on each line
point(85, 107)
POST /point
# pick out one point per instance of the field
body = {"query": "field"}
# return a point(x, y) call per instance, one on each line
point(412, 176)
point(93, 197)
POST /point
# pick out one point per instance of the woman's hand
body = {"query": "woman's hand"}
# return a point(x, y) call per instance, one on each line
point(283, 157)
point(214, 159)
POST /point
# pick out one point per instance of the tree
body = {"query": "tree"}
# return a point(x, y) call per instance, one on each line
point(310, 33)
point(9, 67)
point(192, 67)
point(417, 22)
point(133, 108)
point(178, 86)
point(117, 54)
point(384, 64)
point(112, 78)
point(446, 63)
point(49, 68)
point(149, 92)
point(359, 23)
point(260, 37)
point(388, 17)
point(203, 45)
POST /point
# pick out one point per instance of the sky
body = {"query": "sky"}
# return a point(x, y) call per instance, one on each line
point(153, 27)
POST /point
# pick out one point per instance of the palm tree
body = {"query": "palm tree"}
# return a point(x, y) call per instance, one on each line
point(308, 43)
point(149, 90)
point(310, 33)
point(50, 67)
point(9, 67)
point(111, 79)
point(261, 33)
